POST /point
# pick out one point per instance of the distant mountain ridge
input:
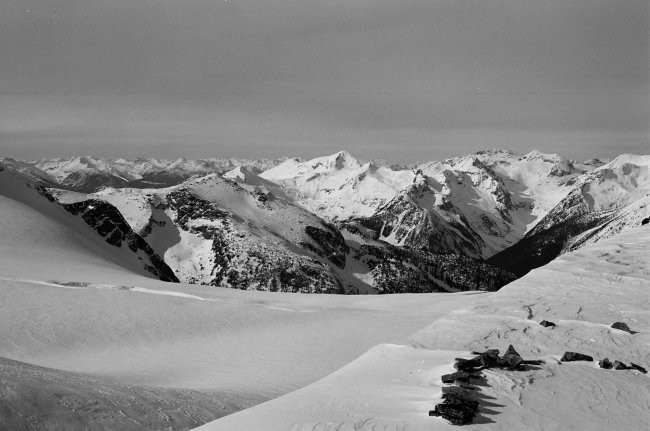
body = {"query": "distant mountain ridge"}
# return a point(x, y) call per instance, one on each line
point(89, 174)
point(334, 224)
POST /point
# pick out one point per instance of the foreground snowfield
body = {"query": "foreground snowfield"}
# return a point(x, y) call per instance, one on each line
point(74, 304)
point(392, 386)
point(66, 303)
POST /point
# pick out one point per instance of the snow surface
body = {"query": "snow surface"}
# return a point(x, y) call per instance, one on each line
point(392, 386)
point(67, 303)
point(339, 187)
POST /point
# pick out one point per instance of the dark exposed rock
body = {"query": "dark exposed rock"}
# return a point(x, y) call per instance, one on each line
point(638, 368)
point(468, 364)
point(573, 356)
point(490, 358)
point(466, 391)
point(546, 323)
point(618, 365)
point(459, 399)
point(605, 363)
point(109, 223)
point(457, 414)
point(459, 404)
point(461, 376)
point(511, 359)
point(622, 327)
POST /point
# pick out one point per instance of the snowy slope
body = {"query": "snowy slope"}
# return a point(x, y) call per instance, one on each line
point(243, 231)
point(598, 204)
point(215, 231)
point(339, 187)
point(392, 387)
point(93, 232)
point(65, 305)
point(476, 205)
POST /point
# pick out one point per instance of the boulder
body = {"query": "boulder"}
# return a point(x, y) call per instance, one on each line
point(456, 413)
point(546, 323)
point(573, 356)
point(487, 359)
point(461, 376)
point(490, 358)
point(468, 364)
point(645, 221)
point(622, 327)
point(638, 368)
point(605, 363)
point(511, 359)
point(618, 365)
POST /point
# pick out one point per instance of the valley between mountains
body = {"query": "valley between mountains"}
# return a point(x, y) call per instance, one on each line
point(335, 224)
point(153, 294)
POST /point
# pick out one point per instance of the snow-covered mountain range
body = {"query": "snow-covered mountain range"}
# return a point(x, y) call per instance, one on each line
point(334, 224)
point(92, 338)
point(89, 174)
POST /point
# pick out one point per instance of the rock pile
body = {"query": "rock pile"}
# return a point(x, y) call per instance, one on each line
point(460, 404)
point(618, 365)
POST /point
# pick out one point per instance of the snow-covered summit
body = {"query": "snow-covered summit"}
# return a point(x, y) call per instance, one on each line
point(90, 174)
point(339, 187)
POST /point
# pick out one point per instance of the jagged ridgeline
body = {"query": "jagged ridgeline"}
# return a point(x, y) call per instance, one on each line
point(334, 224)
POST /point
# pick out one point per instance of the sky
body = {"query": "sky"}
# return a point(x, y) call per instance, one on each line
point(398, 80)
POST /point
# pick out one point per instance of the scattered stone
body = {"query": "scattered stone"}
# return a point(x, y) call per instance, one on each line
point(622, 327)
point(546, 323)
point(457, 414)
point(459, 404)
point(618, 365)
point(573, 356)
point(638, 368)
point(605, 363)
point(461, 376)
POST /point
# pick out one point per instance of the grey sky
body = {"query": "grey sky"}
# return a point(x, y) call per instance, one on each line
point(401, 80)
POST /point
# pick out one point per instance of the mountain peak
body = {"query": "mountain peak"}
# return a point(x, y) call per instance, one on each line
point(538, 155)
point(344, 159)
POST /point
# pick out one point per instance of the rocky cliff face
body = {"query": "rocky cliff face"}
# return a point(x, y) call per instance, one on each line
point(108, 222)
point(334, 224)
point(224, 253)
